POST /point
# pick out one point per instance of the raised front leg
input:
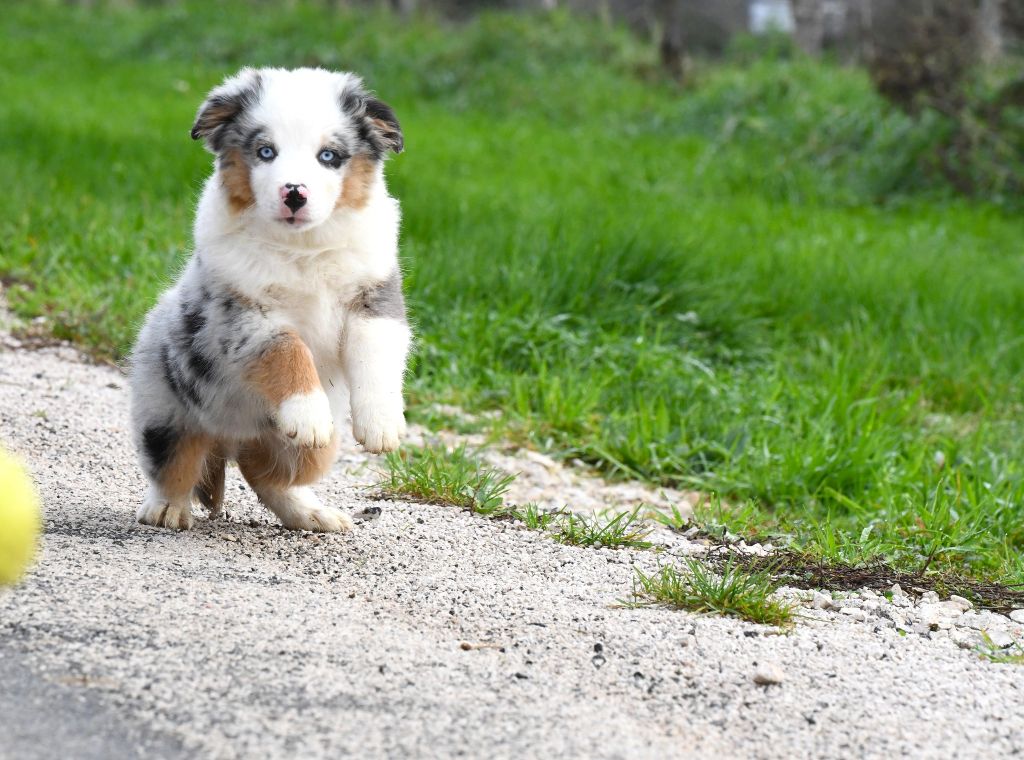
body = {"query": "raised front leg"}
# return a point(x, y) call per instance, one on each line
point(285, 374)
point(374, 352)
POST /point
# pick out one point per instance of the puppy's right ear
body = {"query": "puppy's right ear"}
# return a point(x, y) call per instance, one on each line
point(224, 105)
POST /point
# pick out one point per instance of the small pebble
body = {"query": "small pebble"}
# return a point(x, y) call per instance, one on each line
point(1000, 639)
point(769, 674)
point(1017, 616)
point(822, 601)
point(961, 602)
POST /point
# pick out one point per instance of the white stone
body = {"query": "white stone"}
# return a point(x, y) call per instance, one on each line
point(999, 638)
point(822, 601)
point(929, 597)
point(769, 673)
point(964, 639)
point(1017, 616)
point(961, 602)
point(854, 613)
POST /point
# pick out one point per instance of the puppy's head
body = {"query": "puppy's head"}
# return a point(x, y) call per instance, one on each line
point(293, 147)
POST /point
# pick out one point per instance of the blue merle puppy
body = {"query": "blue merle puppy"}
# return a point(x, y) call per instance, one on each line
point(289, 315)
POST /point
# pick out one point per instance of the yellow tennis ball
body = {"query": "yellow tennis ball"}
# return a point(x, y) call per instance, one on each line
point(20, 520)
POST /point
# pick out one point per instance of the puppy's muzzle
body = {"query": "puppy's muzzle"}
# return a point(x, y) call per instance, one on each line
point(294, 196)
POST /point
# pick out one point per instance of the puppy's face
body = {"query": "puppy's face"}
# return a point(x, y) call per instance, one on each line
point(293, 147)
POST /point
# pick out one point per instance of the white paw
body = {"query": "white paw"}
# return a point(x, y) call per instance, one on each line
point(379, 427)
point(161, 513)
point(300, 509)
point(306, 420)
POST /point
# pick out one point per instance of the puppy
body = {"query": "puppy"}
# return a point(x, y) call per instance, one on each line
point(289, 314)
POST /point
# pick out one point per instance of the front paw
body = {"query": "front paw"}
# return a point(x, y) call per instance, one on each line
point(378, 428)
point(305, 419)
point(163, 513)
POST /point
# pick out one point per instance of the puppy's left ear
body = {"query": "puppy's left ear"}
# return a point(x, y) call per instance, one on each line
point(385, 124)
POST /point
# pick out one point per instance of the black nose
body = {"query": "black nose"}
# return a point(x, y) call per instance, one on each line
point(294, 200)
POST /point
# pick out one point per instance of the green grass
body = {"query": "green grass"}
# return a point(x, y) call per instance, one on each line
point(1013, 655)
point(754, 287)
point(625, 530)
point(726, 590)
point(435, 475)
point(533, 517)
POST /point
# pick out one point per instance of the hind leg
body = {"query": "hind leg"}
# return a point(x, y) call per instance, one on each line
point(175, 465)
point(210, 488)
point(279, 473)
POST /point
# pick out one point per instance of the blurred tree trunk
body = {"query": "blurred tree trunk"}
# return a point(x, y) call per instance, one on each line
point(809, 16)
point(990, 28)
point(673, 55)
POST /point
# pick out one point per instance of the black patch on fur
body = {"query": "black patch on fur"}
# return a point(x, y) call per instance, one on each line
point(200, 364)
point(192, 320)
point(229, 306)
point(383, 300)
point(182, 387)
point(159, 442)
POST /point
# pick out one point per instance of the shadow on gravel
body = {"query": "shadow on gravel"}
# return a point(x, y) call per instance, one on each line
point(43, 719)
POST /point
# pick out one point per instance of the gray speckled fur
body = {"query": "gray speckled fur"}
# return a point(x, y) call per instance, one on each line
point(384, 300)
point(190, 360)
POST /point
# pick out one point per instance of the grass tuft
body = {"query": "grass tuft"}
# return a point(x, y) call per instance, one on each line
point(727, 590)
point(435, 475)
point(533, 517)
point(626, 530)
point(1013, 655)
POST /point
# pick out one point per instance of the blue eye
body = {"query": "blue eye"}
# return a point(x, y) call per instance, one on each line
point(266, 153)
point(327, 156)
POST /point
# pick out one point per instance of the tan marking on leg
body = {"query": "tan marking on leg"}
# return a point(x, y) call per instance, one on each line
point(284, 369)
point(266, 462)
point(355, 188)
point(185, 466)
point(234, 174)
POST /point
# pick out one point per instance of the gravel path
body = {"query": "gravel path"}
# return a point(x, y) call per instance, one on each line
point(427, 632)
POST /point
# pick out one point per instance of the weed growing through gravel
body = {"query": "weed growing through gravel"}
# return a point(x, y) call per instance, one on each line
point(533, 517)
point(434, 475)
point(726, 591)
point(626, 530)
point(1013, 655)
